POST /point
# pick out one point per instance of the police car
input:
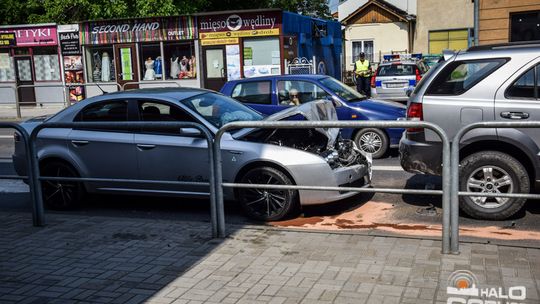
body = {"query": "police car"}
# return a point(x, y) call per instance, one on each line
point(397, 74)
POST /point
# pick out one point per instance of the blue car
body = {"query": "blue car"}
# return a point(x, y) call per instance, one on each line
point(271, 94)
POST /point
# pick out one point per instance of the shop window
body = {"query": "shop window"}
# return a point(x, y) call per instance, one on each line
point(7, 72)
point(452, 40)
point(180, 61)
point(151, 62)
point(261, 57)
point(100, 64)
point(525, 26)
point(46, 64)
point(293, 93)
point(258, 92)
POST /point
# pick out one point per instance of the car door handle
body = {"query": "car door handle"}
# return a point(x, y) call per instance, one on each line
point(145, 146)
point(79, 143)
point(515, 115)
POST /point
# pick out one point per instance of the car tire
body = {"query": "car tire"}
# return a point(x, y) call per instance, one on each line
point(267, 204)
point(489, 171)
point(372, 141)
point(60, 195)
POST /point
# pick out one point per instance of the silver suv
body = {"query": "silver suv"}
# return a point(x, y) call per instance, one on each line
point(485, 83)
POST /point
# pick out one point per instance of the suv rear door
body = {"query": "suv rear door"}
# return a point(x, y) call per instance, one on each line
point(518, 99)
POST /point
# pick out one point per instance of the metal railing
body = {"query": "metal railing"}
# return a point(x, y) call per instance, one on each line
point(150, 82)
point(219, 184)
point(454, 165)
point(34, 173)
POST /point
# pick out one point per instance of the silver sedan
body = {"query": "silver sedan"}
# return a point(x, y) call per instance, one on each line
point(259, 156)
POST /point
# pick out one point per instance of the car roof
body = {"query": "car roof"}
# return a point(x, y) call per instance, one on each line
point(176, 93)
point(285, 77)
point(500, 50)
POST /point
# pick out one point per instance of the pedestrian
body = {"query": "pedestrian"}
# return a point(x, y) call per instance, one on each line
point(362, 71)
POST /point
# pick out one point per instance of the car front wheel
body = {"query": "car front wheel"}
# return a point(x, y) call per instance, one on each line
point(267, 204)
point(60, 195)
point(492, 172)
point(372, 141)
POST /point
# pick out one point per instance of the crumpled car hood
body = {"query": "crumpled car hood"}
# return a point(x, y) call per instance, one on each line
point(317, 110)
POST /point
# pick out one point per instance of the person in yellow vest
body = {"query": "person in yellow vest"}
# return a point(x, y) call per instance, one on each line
point(362, 71)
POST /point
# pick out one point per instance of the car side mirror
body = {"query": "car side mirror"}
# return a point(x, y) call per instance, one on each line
point(409, 92)
point(337, 103)
point(190, 132)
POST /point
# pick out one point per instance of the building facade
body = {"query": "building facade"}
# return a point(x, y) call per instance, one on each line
point(502, 21)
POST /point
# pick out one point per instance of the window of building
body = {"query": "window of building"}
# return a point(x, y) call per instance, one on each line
point(115, 110)
point(293, 93)
point(100, 64)
point(180, 61)
point(259, 92)
point(151, 62)
point(7, 71)
point(449, 39)
point(363, 46)
point(261, 56)
point(460, 76)
point(525, 86)
point(525, 26)
point(46, 64)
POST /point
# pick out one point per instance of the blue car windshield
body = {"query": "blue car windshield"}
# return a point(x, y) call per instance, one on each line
point(220, 110)
point(342, 90)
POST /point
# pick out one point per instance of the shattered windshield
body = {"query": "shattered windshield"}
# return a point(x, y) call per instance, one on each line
point(220, 110)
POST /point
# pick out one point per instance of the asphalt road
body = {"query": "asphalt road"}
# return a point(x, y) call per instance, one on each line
point(387, 173)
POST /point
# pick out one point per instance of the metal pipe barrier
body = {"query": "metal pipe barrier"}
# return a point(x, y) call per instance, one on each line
point(34, 160)
point(150, 82)
point(454, 165)
point(17, 104)
point(219, 184)
point(32, 179)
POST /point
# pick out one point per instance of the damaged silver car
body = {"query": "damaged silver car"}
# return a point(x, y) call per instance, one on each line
point(314, 157)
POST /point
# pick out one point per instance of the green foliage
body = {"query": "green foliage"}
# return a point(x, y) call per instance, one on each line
point(70, 11)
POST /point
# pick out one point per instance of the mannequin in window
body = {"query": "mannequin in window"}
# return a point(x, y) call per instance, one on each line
point(175, 69)
point(150, 74)
point(158, 67)
point(192, 66)
point(183, 67)
point(105, 67)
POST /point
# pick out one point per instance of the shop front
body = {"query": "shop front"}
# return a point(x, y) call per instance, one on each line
point(133, 53)
point(29, 61)
point(240, 45)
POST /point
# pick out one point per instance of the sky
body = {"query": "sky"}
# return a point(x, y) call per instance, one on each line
point(333, 4)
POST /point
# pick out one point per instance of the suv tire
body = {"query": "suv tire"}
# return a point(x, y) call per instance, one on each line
point(492, 171)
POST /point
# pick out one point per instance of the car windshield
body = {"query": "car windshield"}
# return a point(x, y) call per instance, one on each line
point(342, 90)
point(396, 70)
point(220, 110)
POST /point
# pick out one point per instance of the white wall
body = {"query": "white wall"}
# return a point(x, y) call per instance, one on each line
point(386, 37)
point(348, 7)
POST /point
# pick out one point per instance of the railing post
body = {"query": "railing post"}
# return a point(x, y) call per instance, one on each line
point(38, 213)
point(220, 206)
point(17, 102)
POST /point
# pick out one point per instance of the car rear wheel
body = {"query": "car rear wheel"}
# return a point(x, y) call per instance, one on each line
point(372, 141)
point(60, 195)
point(492, 172)
point(267, 204)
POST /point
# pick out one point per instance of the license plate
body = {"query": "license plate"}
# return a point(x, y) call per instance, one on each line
point(395, 85)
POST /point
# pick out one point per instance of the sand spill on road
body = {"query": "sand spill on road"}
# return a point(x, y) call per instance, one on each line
point(378, 215)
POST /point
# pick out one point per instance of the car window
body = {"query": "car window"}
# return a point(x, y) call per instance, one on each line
point(342, 90)
point(460, 76)
point(524, 86)
point(396, 70)
point(296, 92)
point(151, 110)
point(116, 110)
point(258, 92)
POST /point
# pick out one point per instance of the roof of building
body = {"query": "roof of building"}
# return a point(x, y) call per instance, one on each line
point(390, 8)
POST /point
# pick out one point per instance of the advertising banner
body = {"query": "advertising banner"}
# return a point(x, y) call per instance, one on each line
point(69, 43)
point(239, 25)
point(33, 36)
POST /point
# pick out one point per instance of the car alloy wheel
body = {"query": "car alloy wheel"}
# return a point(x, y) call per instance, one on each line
point(60, 195)
point(267, 204)
point(372, 141)
point(490, 179)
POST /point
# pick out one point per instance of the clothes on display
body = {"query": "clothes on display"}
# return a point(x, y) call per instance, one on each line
point(193, 66)
point(175, 69)
point(150, 74)
point(97, 73)
point(105, 67)
point(158, 67)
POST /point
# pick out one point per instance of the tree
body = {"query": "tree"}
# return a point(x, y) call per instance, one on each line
point(312, 8)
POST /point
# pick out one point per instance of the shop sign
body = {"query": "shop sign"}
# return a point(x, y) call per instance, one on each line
point(248, 53)
point(138, 30)
point(33, 36)
point(206, 42)
point(239, 25)
point(8, 39)
point(69, 43)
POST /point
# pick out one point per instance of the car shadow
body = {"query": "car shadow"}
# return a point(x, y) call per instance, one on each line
point(338, 207)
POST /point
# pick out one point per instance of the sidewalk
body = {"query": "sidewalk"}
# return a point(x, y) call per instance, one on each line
point(122, 260)
point(9, 113)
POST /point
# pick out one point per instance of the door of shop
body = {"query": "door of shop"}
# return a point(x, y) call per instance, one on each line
point(214, 67)
point(25, 76)
point(126, 65)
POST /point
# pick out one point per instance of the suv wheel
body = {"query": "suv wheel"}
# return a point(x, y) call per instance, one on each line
point(492, 172)
point(373, 141)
